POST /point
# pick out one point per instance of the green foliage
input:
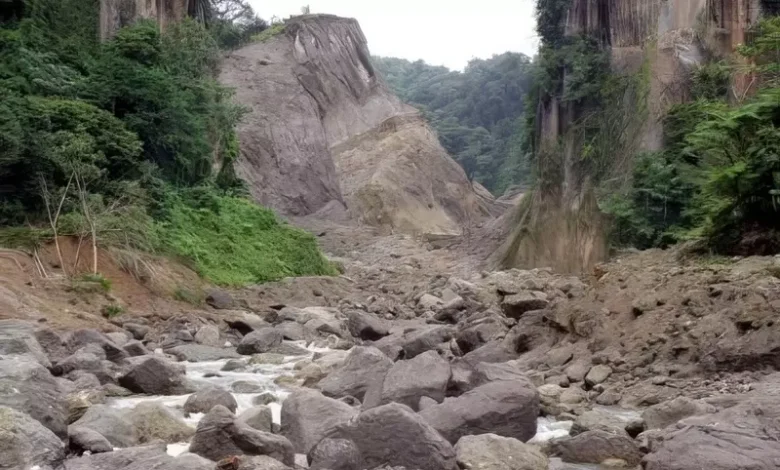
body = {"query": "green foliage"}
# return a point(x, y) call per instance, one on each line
point(231, 241)
point(192, 297)
point(711, 81)
point(97, 279)
point(475, 112)
point(550, 16)
point(270, 33)
point(112, 310)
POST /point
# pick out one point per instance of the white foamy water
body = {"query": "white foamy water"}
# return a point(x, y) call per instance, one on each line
point(210, 373)
point(548, 429)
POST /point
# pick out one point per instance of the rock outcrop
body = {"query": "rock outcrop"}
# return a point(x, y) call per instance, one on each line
point(117, 13)
point(325, 133)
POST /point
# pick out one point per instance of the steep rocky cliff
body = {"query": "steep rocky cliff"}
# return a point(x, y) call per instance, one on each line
point(324, 131)
point(117, 13)
point(658, 40)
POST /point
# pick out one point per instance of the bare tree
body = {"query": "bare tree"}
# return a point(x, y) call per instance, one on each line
point(55, 217)
point(81, 186)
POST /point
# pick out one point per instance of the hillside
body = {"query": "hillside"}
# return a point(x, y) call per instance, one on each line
point(476, 113)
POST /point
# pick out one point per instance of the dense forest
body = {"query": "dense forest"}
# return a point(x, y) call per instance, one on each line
point(716, 179)
point(476, 113)
point(129, 143)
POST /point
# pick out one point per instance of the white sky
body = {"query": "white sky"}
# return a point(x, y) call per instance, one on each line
point(441, 32)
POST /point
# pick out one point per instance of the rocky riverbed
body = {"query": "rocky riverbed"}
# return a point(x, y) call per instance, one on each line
point(413, 359)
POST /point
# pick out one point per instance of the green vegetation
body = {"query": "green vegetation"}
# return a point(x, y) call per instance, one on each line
point(130, 143)
point(112, 310)
point(269, 33)
point(476, 113)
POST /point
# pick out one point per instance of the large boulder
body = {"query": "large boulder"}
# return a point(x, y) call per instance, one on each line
point(515, 305)
point(258, 417)
point(363, 366)
point(492, 452)
point(307, 416)
point(425, 375)
point(366, 326)
point(208, 335)
point(27, 386)
point(669, 412)
point(138, 458)
point(744, 436)
point(207, 398)
point(330, 454)
point(155, 376)
point(201, 353)
point(219, 299)
point(26, 443)
point(153, 421)
point(506, 408)
point(599, 419)
point(78, 339)
point(86, 440)
point(220, 435)
point(425, 339)
point(112, 424)
point(260, 341)
point(596, 447)
point(394, 435)
point(18, 337)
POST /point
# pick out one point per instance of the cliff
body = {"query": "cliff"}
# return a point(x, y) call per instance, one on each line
point(117, 13)
point(658, 40)
point(323, 130)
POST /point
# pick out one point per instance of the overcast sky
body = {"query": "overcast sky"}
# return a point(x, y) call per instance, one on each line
point(441, 32)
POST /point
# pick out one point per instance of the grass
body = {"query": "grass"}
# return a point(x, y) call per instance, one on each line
point(182, 294)
point(231, 241)
point(269, 33)
point(113, 310)
point(99, 279)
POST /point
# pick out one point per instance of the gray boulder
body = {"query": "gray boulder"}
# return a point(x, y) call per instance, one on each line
point(743, 436)
point(258, 417)
point(596, 447)
point(425, 339)
point(207, 398)
point(111, 424)
point(208, 335)
point(86, 440)
point(220, 435)
point(245, 386)
point(153, 421)
point(599, 419)
point(260, 341)
point(362, 367)
point(219, 299)
point(366, 326)
point(138, 458)
point(307, 416)
point(120, 338)
point(492, 452)
point(261, 462)
point(598, 374)
point(139, 332)
point(18, 337)
point(515, 305)
point(78, 339)
point(425, 375)
point(201, 353)
point(25, 442)
point(27, 386)
point(234, 365)
point(669, 412)
point(155, 376)
point(331, 454)
point(505, 408)
point(135, 348)
point(394, 435)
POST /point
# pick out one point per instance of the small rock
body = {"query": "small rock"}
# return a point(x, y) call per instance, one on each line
point(219, 299)
point(598, 374)
point(205, 399)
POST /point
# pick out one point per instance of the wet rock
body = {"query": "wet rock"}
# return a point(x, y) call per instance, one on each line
point(366, 326)
point(516, 305)
point(266, 358)
point(220, 435)
point(201, 353)
point(669, 412)
point(139, 332)
point(153, 421)
point(208, 335)
point(307, 416)
point(596, 447)
point(86, 440)
point(155, 376)
point(245, 386)
point(138, 458)
point(394, 435)
point(26, 443)
point(18, 338)
point(505, 408)
point(79, 401)
point(426, 375)
point(80, 360)
point(234, 365)
point(78, 339)
point(598, 374)
point(135, 348)
point(492, 452)
point(289, 349)
point(207, 398)
point(219, 299)
point(27, 386)
point(264, 398)
point(330, 454)
point(363, 366)
point(109, 423)
point(258, 417)
point(260, 341)
point(114, 390)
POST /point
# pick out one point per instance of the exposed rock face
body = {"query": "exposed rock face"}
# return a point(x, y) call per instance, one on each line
point(26, 443)
point(324, 130)
point(115, 14)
